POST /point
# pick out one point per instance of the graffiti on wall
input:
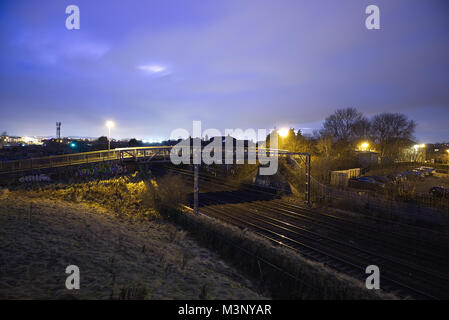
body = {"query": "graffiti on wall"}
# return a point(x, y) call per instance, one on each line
point(35, 178)
point(104, 168)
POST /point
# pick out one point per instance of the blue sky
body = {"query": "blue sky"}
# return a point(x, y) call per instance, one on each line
point(154, 66)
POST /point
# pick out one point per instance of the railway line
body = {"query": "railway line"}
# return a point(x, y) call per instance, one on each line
point(413, 264)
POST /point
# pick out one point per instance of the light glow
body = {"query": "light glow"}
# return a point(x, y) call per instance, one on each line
point(418, 146)
point(283, 132)
point(364, 146)
point(110, 124)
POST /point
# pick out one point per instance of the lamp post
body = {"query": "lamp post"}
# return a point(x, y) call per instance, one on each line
point(364, 146)
point(109, 124)
point(417, 148)
point(283, 132)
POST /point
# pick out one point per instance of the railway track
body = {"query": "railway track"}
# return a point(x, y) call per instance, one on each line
point(409, 267)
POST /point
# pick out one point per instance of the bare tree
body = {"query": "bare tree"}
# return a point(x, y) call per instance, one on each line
point(324, 146)
point(392, 131)
point(345, 125)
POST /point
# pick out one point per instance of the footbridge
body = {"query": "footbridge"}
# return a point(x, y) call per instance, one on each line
point(145, 155)
point(141, 154)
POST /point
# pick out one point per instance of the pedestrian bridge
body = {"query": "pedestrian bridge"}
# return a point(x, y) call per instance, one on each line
point(160, 154)
point(138, 154)
point(144, 155)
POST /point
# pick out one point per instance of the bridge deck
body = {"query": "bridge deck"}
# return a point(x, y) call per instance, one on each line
point(153, 154)
point(142, 153)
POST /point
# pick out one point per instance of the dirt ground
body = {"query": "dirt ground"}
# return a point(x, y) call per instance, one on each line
point(150, 259)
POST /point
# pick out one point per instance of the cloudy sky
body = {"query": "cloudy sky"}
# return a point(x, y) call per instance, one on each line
point(154, 66)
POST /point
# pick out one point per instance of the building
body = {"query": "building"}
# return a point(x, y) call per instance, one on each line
point(437, 153)
point(368, 158)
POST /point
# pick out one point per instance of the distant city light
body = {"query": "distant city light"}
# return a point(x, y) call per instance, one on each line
point(31, 140)
point(283, 132)
point(152, 140)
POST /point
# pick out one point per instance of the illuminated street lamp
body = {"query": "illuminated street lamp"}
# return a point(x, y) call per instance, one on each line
point(110, 125)
point(419, 146)
point(419, 153)
point(283, 132)
point(364, 146)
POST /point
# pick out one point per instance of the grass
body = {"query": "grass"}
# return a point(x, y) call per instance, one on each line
point(119, 257)
point(278, 272)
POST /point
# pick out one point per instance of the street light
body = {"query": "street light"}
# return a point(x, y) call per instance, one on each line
point(364, 146)
point(283, 132)
point(110, 125)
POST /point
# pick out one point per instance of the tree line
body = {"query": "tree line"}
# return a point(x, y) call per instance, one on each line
point(345, 129)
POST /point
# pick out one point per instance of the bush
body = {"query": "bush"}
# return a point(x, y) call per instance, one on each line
point(166, 195)
point(283, 272)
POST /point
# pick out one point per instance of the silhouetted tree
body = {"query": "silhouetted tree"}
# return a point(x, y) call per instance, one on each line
point(324, 146)
point(392, 131)
point(102, 140)
point(345, 124)
point(134, 143)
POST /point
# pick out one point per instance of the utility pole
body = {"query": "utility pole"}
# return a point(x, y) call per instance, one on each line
point(109, 124)
point(109, 138)
point(308, 165)
point(196, 187)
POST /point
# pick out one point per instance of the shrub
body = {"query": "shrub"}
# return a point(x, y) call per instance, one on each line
point(285, 273)
point(165, 195)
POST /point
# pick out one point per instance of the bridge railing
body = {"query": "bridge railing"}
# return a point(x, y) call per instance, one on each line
point(78, 158)
point(107, 155)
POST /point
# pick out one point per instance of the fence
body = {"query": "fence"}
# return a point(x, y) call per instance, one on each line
point(340, 178)
point(283, 275)
point(411, 207)
point(82, 158)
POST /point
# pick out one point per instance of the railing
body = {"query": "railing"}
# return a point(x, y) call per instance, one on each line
point(138, 153)
point(82, 158)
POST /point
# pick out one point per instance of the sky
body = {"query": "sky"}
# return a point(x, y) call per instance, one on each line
point(154, 66)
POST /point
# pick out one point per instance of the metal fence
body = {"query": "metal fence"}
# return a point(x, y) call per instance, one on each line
point(414, 207)
point(82, 158)
point(138, 153)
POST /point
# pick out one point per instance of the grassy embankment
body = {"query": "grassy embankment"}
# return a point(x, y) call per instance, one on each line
point(280, 273)
point(123, 250)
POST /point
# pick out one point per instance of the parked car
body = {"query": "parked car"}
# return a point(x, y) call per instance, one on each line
point(396, 177)
point(381, 179)
point(370, 180)
point(439, 192)
point(414, 173)
point(427, 170)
